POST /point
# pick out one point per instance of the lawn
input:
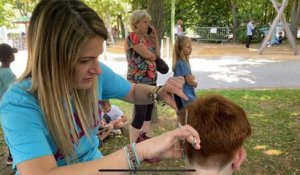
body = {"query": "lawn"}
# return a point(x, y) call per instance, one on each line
point(274, 146)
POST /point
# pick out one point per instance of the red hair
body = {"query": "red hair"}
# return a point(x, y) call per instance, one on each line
point(223, 126)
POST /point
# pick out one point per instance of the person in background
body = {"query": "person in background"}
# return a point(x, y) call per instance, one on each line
point(111, 114)
point(51, 115)
point(6, 76)
point(250, 29)
point(112, 121)
point(278, 40)
point(179, 28)
point(115, 32)
point(224, 127)
point(181, 67)
point(142, 48)
point(104, 131)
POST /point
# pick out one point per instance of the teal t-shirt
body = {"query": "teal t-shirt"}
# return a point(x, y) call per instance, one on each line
point(6, 78)
point(26, 132)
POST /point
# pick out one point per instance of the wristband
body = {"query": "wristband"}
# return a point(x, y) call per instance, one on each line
point(153, 94)
point(133, 161)
point(135, 154)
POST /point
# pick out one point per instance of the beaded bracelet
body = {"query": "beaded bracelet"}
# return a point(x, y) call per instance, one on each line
point(128, 159)
point(132, 158)
point(153, 94)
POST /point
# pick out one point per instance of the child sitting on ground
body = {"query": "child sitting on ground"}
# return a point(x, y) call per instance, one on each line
point(111, 114)
point(105, 130)
point(112, 120)
point(223, 127)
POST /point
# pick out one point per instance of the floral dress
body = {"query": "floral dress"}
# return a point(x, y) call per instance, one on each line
point(140, 70)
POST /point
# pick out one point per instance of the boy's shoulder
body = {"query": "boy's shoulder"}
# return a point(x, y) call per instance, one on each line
point(6, 70)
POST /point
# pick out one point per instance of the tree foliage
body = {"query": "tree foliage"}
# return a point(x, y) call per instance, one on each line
point(6, 13)
point(194, 13)
point(12, 9)
point(24, 6)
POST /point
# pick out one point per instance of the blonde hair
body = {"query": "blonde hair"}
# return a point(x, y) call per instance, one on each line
point(181, 41)
point(58, 32)
point(137, 16)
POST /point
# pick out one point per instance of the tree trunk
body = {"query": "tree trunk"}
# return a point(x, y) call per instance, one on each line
point(111, 39)
point(295, 17)
point(234, 12)
point(156, 10)
point(122, 26)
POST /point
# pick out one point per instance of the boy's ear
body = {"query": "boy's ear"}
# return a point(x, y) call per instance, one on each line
point(238, 158)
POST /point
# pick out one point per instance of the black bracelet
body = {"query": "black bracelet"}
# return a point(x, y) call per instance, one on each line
point(153, 94)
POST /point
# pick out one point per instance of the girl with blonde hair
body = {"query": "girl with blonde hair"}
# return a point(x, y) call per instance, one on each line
point(181, 67)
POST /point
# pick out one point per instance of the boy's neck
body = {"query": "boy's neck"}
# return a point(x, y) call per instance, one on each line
point(202, 170)
point(208, 172)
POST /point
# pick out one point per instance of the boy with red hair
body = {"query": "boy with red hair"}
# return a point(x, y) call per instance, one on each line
point(223, 127)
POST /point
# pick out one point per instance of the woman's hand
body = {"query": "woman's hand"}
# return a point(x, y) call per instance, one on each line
point(167, 145)
point(174, 85)
point(153, 33)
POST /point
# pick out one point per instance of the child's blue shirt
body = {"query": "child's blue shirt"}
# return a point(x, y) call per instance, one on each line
point(183, 69)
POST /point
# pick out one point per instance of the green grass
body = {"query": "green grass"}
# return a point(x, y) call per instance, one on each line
point(274, 146)
point(274, 115)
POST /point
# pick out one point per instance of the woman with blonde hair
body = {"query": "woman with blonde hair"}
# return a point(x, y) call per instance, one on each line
point(142, 48)
point(50, 117)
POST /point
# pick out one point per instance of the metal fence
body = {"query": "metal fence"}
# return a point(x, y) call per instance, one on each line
point(218, 34)
point(19, 43)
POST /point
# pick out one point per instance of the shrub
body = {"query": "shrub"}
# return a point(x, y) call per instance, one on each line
point(258, 34)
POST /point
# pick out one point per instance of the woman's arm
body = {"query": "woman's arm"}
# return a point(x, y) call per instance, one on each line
point(162, 146)
point(140, 93)
point(46, 165)
point(141, 49)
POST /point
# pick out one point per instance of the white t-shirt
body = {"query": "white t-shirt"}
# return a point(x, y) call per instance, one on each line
point(114, 113)
point(179, 30)
point(250, 28)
